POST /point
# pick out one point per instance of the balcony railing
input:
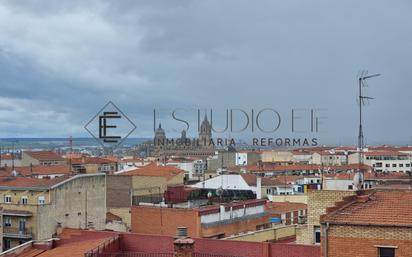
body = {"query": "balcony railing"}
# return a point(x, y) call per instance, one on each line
point(17, 232)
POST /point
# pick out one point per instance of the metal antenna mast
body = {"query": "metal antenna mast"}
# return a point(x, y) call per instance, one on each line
point(363, 76)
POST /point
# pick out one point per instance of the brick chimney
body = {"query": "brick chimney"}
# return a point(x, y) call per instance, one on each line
point(183, 244)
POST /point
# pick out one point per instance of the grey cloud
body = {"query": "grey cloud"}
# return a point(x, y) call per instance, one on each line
point(214, 54)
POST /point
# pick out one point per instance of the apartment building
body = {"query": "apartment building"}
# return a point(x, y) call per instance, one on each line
point(10, 160)
point(34, 208)
point(384, 161)
point(41, 158)
point(37, 171)
point(301, 156)
point(210, 221)
point(288, 213)
point(276, 156)
point(329, 158)
point(150, 182)
point(93, 164)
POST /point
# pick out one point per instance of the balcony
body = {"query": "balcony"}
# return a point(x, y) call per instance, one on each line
point(14, 232)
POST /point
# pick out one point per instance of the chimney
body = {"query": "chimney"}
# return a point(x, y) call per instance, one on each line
point(59, 228)
point(258, 187)
point(183, 245)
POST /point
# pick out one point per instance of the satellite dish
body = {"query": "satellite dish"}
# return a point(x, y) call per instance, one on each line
point(14, 173)
point(358, 180)
point(219, 191)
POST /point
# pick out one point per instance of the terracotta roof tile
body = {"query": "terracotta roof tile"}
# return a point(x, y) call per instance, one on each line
point(36, 170)
point(44, 155)
point(9, 157)
point(25, 182)
point(92, 160)
point(155, 171)
point(282, 207)
point(383, 153)
point(369, 176)
point(384, 208)
point(77, 249)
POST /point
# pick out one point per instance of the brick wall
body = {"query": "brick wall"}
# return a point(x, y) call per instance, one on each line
point(164, 244)
point(318, 201)
point(348, 241)
point(118, 191)
point(164, 221)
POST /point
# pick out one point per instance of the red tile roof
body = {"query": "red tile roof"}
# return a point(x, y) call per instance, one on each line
point(383, 153)
point(282, 207)
point(25, 182)
point(391, 148)
point(276, 167)
point(251, 180)
point(381, 208)
point(369, 176)
point(155, 171)
point(77, 249)
point(36, 170)
point(44, 155)
point(92, 160)
point(9, 157)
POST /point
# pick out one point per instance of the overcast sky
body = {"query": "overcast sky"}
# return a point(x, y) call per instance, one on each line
point(61, 61)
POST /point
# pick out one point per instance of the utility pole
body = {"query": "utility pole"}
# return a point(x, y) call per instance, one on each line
point(359, 178)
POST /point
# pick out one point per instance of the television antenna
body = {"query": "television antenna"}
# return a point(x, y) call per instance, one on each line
point(363, 100)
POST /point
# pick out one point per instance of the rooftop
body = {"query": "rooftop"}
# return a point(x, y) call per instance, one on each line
point(154, 170)
point(384, 153)
point(281, 207)
point(380, 208)
point(38, 184)
point(10, 157)
point(215, 208)
point(26, 182)
point(369, 176)
point(37, 170)
point(44, 155)
point(92, 160)
point(76, 243)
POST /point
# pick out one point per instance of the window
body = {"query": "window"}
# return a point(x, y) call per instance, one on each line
point(316, 234)
point(394, 165)
point(350, 187)
point(41, 200)
point(387, 165)
point(7, 244)
point(407, 165)
point(400, 165)
point(386, 252)
point(7, 199)
point(7, 221)
point(24, 200)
